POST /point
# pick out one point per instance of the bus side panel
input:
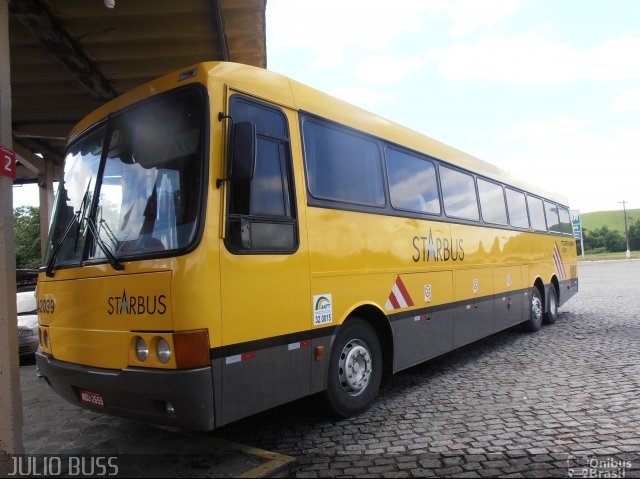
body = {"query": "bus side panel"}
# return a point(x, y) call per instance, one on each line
point(508, 303)
point(424, 334)
point(320, 363)
point(568, 288)
point(254, 381)
point(473, 312)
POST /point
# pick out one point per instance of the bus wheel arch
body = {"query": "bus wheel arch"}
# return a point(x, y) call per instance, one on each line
point(381, 325)
point(359, 351)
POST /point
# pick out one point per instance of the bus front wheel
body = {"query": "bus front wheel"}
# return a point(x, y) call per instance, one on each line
point(355, 369)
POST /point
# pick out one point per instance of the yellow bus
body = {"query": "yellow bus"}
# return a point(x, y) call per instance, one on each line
point(226, 240)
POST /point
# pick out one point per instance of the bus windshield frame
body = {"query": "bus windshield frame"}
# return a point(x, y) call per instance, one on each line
point(134, 184)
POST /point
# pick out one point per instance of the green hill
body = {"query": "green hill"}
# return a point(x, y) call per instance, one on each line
point(614, 220)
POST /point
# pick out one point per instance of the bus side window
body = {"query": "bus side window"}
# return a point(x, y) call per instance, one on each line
point(517, 206)
point(536, 213)
point(492, 202)
point(565, 221)
point(553, 221)
point(412, 183)
point(459, 194)
point(261, 211)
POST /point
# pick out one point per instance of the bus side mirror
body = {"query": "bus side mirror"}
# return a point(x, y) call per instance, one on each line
point(243, 160)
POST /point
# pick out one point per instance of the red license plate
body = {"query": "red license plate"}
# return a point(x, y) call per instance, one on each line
point(91, 398)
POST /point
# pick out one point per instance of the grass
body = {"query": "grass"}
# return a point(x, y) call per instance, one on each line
point(608, 256)
point(614, 220)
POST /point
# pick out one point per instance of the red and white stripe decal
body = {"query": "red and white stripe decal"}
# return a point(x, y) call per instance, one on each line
point(299, 345)
point(399, 297)
point(557, 261)
point(236, 358)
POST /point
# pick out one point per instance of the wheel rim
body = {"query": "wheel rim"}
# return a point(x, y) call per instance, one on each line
point(553, 305)
point(355, 367)
point(536, 308)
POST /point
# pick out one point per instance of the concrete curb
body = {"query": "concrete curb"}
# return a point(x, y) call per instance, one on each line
point(276, 463)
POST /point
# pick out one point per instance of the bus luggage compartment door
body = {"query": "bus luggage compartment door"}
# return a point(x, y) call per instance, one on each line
point(425, 333)
point(509, 296)
point(473, 312)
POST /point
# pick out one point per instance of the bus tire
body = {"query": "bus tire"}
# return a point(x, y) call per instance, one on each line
point(551, 316)
point(355, 369)
point(536, 311)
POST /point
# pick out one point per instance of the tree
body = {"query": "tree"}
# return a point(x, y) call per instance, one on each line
point(634, 235)
point(26, 225)
point(615, 242)
point(602, 239)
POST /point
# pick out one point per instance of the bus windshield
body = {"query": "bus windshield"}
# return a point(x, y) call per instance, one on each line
point(136, 180)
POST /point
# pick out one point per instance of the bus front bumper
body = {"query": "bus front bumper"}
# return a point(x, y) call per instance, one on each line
point(180, 398)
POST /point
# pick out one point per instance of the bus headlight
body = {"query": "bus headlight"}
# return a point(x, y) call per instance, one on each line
point(142, 350)
point(163, 350)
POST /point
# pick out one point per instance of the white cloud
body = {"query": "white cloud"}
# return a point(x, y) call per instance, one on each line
point(627, 101)
point(542, 133)
point(532, 58)
point(330, 27)
point(470, 15)
point(588, 161)
point(386, 69)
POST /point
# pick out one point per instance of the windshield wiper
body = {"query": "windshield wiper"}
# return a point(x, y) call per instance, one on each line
point(115, 264)
point(74, 219)
point(54, 252)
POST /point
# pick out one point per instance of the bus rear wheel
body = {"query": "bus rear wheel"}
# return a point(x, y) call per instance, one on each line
point(355, 369)
point(552, 315)
point(536, 311)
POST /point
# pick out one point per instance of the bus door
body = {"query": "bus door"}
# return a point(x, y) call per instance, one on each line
point(265, 359)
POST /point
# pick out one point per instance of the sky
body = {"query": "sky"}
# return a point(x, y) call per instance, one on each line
point(546, 89)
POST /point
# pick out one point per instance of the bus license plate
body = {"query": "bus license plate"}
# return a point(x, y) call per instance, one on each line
point(91, 398)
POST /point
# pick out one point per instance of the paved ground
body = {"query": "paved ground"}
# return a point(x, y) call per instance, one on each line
point(563, 401)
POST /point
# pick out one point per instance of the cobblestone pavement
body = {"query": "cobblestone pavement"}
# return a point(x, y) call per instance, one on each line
point(562, 401)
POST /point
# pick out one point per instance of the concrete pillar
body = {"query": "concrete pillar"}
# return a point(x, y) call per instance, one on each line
point(10, 397)
point(45, 182)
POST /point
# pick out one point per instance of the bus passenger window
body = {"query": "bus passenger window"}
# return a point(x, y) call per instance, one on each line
point(536, 213)
point(565, 222)
point(492, 203)
point(459, 194)
point(342, 166)
point(412, 183)
point(517, 209)
point(552, 217)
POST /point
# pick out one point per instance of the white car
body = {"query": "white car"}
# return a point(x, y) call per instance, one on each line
point(27, 323)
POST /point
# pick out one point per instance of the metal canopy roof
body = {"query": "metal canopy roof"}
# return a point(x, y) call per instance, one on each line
point(70, 56)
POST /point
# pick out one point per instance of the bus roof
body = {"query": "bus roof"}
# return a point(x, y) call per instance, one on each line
point(287, 92)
